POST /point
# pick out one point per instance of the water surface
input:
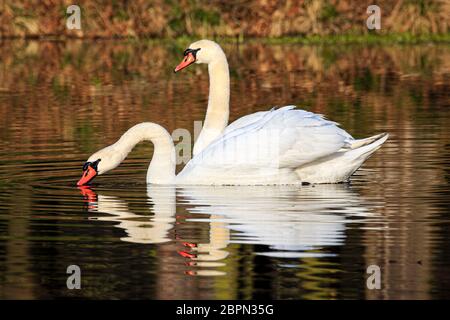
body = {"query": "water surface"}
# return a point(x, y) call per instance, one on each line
point(61, 101)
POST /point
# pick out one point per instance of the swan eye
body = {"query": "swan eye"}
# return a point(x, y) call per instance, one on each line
point(86, 165)
point(193, 51)
point(95, 164)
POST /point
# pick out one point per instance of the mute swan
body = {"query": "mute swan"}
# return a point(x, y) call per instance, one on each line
point(216, 119)
point(280, 148)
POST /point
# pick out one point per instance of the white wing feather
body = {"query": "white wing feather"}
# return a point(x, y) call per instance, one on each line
point(267, 142)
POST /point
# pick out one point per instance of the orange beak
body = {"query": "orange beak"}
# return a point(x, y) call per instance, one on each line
point(87, 176)
point(188, 60)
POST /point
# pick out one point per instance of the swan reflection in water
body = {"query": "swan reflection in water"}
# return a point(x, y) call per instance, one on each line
point(290, 221)
point(139, 228)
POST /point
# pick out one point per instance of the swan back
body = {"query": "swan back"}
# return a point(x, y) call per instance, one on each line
point(267, 150)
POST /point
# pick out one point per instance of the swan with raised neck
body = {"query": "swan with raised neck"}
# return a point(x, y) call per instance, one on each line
point(218, 111)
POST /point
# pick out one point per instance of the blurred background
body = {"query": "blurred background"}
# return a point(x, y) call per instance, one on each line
point(252, 18)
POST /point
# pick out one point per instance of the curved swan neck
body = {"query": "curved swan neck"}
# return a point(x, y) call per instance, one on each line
point(162, 166)
point(216, 119)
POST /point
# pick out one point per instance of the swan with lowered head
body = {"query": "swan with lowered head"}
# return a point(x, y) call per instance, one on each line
point(217, 114)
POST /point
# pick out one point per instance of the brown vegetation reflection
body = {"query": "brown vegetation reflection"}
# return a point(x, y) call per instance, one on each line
point(68, 90)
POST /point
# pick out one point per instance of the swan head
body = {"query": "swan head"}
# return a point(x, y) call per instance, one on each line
point(99, 163)
point(202, 51)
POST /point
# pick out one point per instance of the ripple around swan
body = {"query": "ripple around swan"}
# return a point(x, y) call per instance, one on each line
point(137, 241)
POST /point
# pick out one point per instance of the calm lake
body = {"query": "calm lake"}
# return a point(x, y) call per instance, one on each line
point(62, 101)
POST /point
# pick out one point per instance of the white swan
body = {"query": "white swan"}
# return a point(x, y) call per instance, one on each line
point(280, 148)
point(216, 120)
point(218, 110)
point(294, 221)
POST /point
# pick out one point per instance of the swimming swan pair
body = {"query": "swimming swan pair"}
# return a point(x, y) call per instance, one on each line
point(279, 146)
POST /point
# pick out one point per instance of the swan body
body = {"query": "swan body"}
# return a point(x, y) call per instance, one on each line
point(285, 146)
point(329, 161)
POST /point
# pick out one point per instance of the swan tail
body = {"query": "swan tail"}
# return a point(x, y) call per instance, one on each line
point(339, 166)
point(380, 138)
point(362, 149)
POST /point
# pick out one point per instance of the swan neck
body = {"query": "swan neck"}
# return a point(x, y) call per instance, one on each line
point(216, 119)
point(219, 94)
point(162, 166)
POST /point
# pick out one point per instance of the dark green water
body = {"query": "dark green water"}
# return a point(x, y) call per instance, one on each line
point(61, 101)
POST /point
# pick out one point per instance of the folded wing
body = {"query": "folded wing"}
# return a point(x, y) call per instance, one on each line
point(278, 139)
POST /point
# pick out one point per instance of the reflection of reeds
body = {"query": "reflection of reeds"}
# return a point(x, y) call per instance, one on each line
point(168, 18)
point(69, 90)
